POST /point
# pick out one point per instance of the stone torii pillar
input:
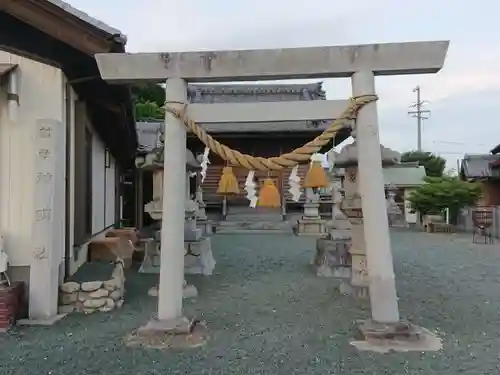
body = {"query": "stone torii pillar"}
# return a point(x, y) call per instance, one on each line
point(383, 297)
point(170, 317)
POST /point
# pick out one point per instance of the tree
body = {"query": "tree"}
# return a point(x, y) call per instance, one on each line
point(148, 102)
point(434, 165)
point(439, 193)
point(148, 111)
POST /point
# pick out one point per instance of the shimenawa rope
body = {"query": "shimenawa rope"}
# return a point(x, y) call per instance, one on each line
point(301, 154)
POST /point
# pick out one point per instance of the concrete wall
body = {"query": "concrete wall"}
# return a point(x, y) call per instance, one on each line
point(43, 91)
point(35, 256)
point(41, 97)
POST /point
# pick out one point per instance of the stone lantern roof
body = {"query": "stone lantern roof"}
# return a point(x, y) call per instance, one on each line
point(154, 160)
point(348, 156)
point(151, 144)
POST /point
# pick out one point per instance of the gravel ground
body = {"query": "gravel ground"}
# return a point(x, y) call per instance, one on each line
point(268, 314)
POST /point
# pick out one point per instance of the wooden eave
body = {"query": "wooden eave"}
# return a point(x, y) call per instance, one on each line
point(68, 43)
point(59, 24)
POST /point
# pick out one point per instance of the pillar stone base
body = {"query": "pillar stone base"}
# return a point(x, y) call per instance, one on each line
point(310, 227)
point(199, 259)
point(41, 321)
point(400, 337)
point(332, 257)
point(358, 292)
point(168, 334)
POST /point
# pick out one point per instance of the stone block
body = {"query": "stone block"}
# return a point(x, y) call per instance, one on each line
point(332, 258)
point(311, 227)
point(99, 293)
point(199, 258)
point(206, 226)
point(110, 249)
point(94, 303)
point(192, 234)
point(68, 298)
point(116, 294)
point(129, 234)
point(359, 274)
point(90, 286)
point(358, 292)
point(70, 287)
point(93, 296)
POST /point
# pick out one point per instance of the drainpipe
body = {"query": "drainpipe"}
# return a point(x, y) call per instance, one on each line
point(13, 95)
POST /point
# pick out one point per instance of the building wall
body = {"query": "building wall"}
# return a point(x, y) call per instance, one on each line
point(43, 96)
point(103, 187)
point(490, 193)
point(32, 182)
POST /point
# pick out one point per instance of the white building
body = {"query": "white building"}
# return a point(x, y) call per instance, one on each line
point(66, 137)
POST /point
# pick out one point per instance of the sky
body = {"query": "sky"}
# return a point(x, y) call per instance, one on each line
point(464, 98)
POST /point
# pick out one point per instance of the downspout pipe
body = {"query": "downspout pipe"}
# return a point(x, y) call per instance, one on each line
point(13, 95)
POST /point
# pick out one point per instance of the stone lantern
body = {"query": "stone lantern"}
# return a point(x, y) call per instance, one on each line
point(197, 247)
point(394, 212)
point(153, 161)
point(351, 206)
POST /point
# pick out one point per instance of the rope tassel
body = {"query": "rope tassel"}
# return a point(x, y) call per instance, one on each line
point(269, 195)
point(316, 176)
point(228, 184)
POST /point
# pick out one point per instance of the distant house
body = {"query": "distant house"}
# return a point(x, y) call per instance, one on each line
point(66, 137)
point(485, 169)
point(405, 178)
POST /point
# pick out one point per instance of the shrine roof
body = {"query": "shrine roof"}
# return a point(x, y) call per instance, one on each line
point(478, 166)
point(248, 93)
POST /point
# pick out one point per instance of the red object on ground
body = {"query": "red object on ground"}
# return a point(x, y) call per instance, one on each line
point(11, 304)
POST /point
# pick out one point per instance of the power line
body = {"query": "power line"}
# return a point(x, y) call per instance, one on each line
point(419, 114)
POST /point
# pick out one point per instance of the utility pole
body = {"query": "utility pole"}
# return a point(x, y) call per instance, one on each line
point(419, 113)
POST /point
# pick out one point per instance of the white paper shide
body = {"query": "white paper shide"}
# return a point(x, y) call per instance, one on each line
point(250, 189)
point(294, 182)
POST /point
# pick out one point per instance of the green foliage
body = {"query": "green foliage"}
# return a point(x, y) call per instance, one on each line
point(434, 165)
point(439, 193)
point(148, 101)
point(148, 111)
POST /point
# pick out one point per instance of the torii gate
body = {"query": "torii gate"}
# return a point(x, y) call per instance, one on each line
point(360, 62)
